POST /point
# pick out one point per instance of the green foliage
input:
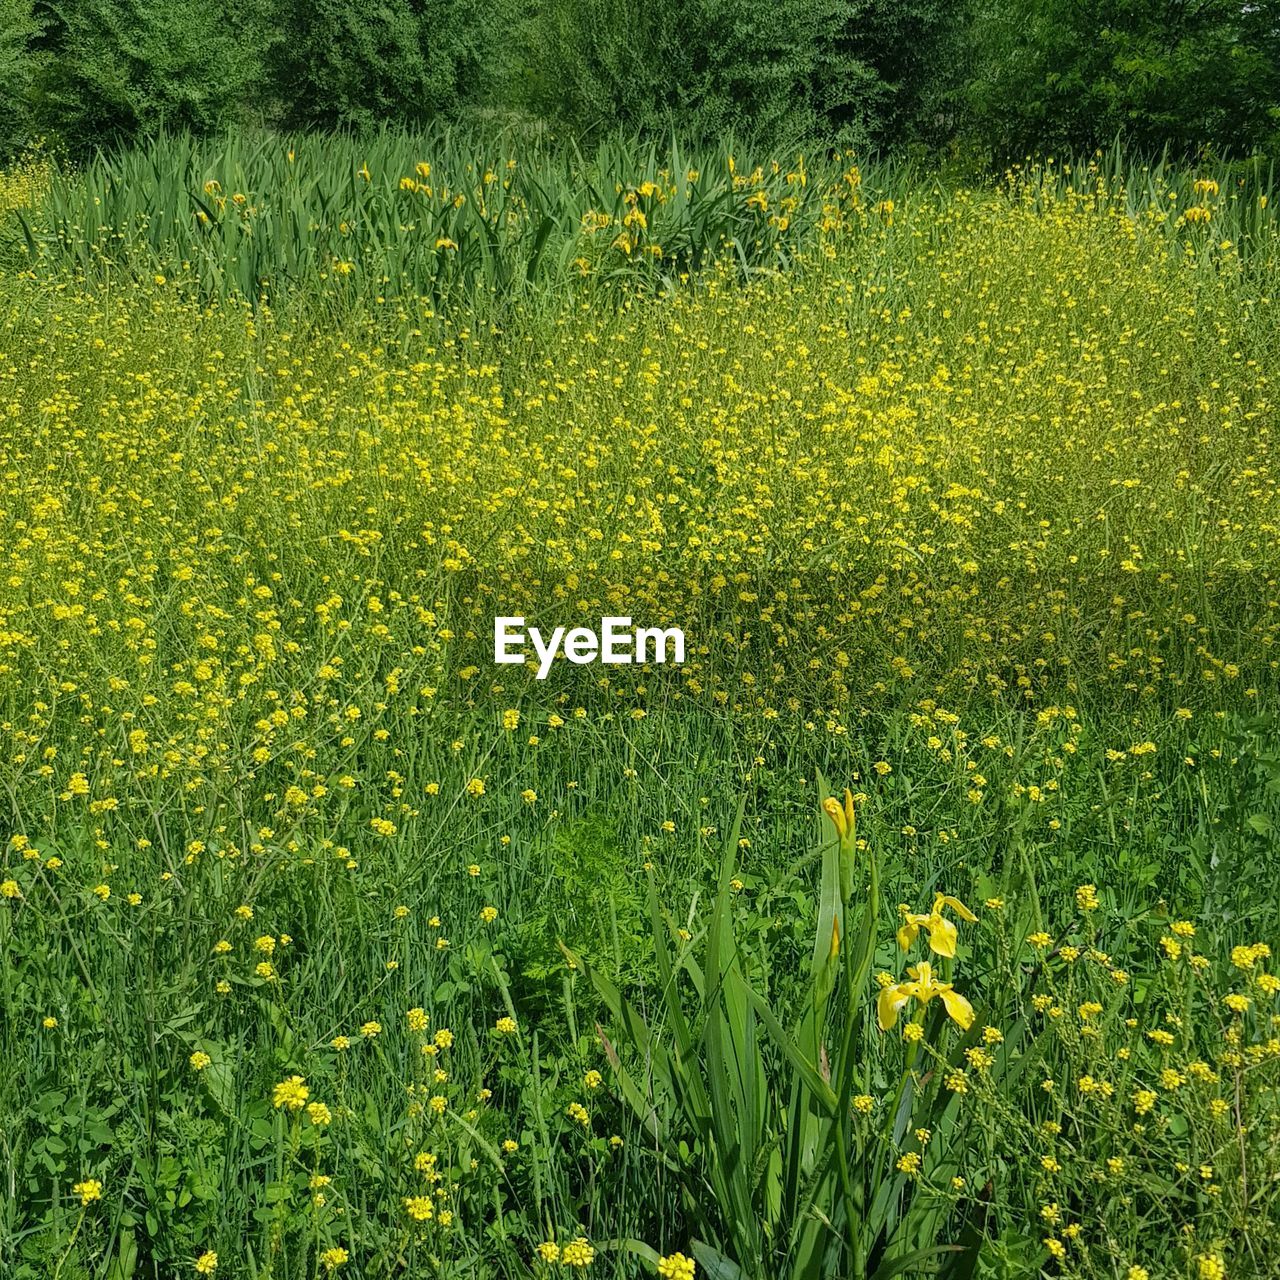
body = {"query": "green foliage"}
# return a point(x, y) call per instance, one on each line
point(832, 1148)
point(598, 907)
point(842, 70)
point(167, 1098)
point(430, 215)
point(802, 1183)
point(252, 556)
point(19, 27)
point(496, 217)
point(980, 81)
point(886, 69)
point(120, 68)
point(714, 65)
point(1053, 74)
point(338, 64)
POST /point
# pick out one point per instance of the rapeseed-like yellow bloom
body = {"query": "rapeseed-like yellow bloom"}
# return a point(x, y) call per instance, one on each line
point(420, 1208)
point(675, 1266)
point(291, 1093)
point(577, 1253)
point(88, 1190)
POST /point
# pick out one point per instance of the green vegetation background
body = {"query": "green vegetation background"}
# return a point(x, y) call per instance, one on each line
point(234, 1044)
point(974, 82)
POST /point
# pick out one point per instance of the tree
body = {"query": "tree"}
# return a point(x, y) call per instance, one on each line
point(18, 29)
point(852, 70)
point(355, 65)
point(118, 68)
point(1059, 74)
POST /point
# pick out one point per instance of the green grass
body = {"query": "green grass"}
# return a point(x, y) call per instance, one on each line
point(965, 500)
point(456, 215)
point(431, 216)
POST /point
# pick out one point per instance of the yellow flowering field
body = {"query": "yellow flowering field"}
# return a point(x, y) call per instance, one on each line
point(921, 922)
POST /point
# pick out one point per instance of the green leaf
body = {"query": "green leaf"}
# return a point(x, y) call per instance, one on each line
point(806, 1070)
point(638, 1247)
point(714, 1263)
point(896, 1266)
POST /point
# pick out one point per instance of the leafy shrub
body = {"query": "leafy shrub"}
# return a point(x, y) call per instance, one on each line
point(18, 27)
point(120, 68)
point(339, 64)
point(1047, 74)
point(796, 69)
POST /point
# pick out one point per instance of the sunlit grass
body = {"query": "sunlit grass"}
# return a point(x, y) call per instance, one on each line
point(963, 498)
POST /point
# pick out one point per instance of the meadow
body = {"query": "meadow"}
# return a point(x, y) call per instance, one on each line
point(921, 923)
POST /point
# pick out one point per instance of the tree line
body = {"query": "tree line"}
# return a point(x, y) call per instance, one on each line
point(981, 81)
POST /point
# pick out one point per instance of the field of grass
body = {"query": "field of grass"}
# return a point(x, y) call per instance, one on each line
point(332, 948)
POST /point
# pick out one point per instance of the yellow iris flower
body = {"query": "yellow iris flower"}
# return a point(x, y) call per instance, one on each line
point(941, 931)
point(841, 815)
point(922, 987)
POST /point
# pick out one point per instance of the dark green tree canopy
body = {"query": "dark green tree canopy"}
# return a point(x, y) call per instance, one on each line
point(993, 79)
point(1155, 73)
